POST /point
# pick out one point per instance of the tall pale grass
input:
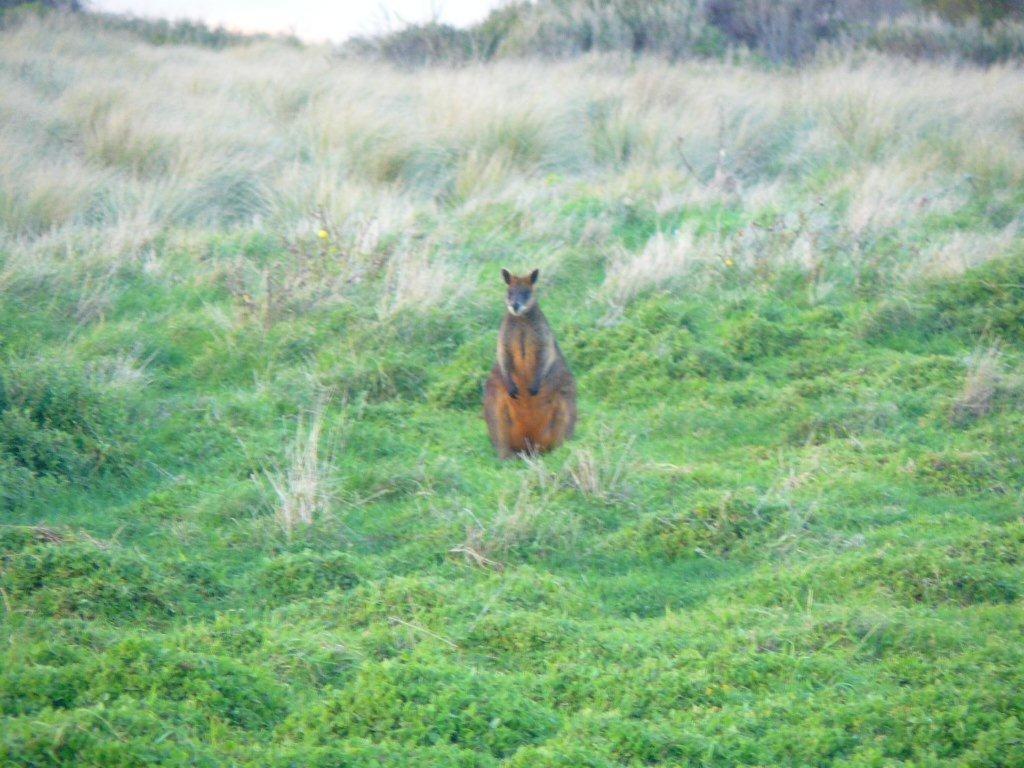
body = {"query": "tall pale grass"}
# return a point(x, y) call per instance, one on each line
point(303, 486)
point(108, 144)
point(989, 383)
point(663, 259)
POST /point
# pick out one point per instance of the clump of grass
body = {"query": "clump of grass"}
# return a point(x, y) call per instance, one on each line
point(480, 173)
point(459, 383)
point(416, 599)
point(303, 488)
point(986, 386)
point(663, 260)
point(986, 300)
point(81, 577)
point(58, 421)
point(414, 282)
point(964, 472)
point(521, 632)
point(601, 473)
point(124, 370)
point(244, 697)
point(308, 574)
point(528, 524)
point(963, 573)
point(963, 251)
point(715, 524)
point(427, 704)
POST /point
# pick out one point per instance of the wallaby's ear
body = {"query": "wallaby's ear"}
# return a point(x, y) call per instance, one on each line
point(506, 276)
point(534, 275)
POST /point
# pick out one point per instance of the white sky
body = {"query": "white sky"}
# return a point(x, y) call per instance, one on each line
point(310, 20)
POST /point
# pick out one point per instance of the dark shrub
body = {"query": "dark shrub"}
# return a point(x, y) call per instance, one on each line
point(427, 704)
point(55, 421)
point(987, 299)
point(82, 579)
point(308, 574)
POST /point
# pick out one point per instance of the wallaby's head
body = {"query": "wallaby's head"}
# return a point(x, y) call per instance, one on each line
point(521, 294)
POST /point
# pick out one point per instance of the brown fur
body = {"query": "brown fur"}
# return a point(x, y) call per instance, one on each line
point(530, 397)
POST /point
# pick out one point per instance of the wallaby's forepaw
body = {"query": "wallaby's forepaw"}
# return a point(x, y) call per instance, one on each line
point(534, 391)
point(513, 391)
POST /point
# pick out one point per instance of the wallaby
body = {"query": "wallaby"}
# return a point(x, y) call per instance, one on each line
point(530, 397)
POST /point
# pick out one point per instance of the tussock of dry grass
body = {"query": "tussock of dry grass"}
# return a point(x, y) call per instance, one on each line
point(664, 258)
point(893, 194)
point(988, 384)
point(602, 472)
point(412, 280)
point(529, 520)
point(121, 371)
point(303, 487)
point(961, 251)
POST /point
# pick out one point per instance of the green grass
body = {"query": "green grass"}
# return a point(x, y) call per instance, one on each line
point(787, 552)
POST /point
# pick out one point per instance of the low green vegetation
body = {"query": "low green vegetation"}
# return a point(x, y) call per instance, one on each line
point(774, 542)
point(249, 514)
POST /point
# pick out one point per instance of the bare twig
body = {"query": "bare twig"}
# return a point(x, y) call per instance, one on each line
point(476, 558)
point(424, 630)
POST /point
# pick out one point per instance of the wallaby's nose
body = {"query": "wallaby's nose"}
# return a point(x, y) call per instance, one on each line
point(515, 306)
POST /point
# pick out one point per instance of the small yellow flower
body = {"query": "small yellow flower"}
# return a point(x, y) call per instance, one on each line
point(729, 262)
point(323, 234)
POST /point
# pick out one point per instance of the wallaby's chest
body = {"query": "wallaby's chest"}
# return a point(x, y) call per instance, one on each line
point(523, 344)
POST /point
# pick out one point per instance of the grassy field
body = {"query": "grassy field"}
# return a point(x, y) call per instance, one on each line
point(250, 515)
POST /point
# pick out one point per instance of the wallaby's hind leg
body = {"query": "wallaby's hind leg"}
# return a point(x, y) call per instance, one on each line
point(563, 422)
point(499, 421)
point(565, 418)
